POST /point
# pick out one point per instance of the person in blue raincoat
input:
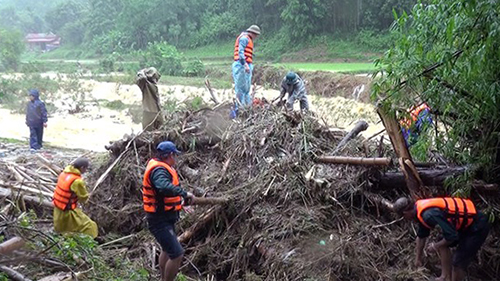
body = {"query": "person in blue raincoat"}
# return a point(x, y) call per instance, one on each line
point(36, 119)
point(242, 67)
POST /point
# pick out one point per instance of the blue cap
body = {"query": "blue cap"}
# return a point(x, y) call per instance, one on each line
point(291, 77)
point(167, 147)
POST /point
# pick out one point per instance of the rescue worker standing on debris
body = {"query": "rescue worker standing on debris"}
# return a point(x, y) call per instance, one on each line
point(461, 225)
point(243, 64)
point(36, 119)
point(70, 191)
point(163, 198)
point(296, 89)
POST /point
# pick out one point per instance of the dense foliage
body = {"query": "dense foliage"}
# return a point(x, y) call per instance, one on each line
point(116, 25)
point(447, 55)
point(11, 48)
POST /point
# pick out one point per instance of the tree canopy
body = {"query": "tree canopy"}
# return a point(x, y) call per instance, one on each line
point(447, 55)
point(134, 24)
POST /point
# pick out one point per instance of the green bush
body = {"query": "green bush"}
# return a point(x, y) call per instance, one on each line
point(374, 40)
point(114, 41)
point(194, 68)
point(194, 104)
point(164, 57)
point(11, 48)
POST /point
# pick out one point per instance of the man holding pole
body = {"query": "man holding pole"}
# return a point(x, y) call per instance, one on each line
point(163, 198)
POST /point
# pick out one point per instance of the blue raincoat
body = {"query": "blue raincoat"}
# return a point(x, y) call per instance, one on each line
point(36, 116)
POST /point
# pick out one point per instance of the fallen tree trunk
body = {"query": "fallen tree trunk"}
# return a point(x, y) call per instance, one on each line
point(413, 180)
point(14, 275)
point(11, 245)
point(358, 128)
point(430, 177)
point(354, 160)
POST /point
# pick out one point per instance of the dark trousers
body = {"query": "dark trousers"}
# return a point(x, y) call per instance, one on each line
point(36, 137)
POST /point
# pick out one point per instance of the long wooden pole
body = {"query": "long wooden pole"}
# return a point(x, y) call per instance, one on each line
point(209, 201)
point(376, 161)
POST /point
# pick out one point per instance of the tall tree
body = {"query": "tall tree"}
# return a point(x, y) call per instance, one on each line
point(446, 54)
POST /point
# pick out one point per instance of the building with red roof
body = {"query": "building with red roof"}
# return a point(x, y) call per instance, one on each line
point(42, 41)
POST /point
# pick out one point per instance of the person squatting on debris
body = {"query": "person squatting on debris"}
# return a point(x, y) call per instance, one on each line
point(163, 198)
point(461, 225)
point(147, 80)
point(36, 119)
point(420, 119)
point(243, 64)
point(71, 190)
point(296, 89)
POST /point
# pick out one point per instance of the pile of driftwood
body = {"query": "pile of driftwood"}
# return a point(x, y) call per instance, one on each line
point(292, 182)
point(29, 181)
point(281, 200)
point(290, 199)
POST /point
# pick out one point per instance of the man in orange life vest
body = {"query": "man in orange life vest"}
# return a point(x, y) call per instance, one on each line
point(70, 190)
point(461, 225)
point(418, 120)
point(163, 198)
point(243, 64)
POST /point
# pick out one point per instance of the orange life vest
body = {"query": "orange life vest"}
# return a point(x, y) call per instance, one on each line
point(406, 122)
point(248, 48)
point(460, 212)
point(149, 196)
point(64, 198)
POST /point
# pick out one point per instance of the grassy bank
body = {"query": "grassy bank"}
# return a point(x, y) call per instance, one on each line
point(362, 47)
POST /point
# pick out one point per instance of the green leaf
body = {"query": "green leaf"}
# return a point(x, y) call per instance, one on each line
point(449, 30)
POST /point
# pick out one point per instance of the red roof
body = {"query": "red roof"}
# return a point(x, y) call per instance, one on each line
point(42, 38)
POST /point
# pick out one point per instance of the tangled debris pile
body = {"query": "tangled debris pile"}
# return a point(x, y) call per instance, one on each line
point(282, 203)
point(288, 217)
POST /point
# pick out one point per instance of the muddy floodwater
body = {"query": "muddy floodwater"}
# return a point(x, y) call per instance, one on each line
point(96, 125)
